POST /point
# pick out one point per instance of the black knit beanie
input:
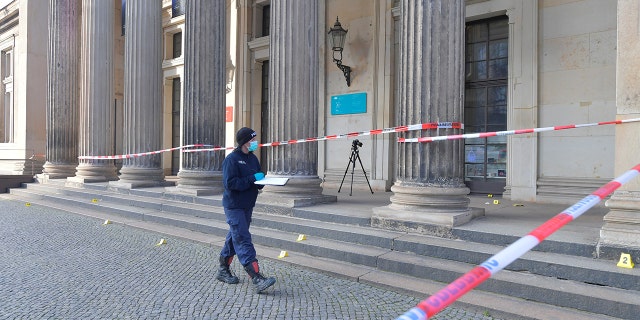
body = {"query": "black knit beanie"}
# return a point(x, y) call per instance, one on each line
point(244, 135)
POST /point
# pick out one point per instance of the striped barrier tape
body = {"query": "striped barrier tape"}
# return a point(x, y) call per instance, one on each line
point(449, 294)
point(512, 132)
point(134, 155)
point(419, 126)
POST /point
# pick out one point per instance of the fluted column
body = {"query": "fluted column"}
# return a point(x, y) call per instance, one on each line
point(204, 96)
point(96, 87)
point(293, 99)
point(142, 94)
point(429, 186)
point(621, 229)
point(62, 89)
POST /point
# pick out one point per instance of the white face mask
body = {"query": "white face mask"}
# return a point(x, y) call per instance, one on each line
point(253, 146)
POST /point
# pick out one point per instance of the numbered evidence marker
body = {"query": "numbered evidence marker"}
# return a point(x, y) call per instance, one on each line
point(283, 254)
point(625, 261)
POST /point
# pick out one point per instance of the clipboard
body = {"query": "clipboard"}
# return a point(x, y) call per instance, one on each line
point(273, 181)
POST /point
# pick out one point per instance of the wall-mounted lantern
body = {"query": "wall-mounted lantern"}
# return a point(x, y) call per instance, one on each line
point(338, 34)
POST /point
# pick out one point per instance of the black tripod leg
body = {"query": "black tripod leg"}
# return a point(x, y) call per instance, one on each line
point(345, 170)
point(365, 173)
point(353, 168)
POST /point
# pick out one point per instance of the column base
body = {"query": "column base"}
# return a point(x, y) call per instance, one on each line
point(89, 173)
point(428, 210)
point(298, 192)
point(58, 171)
point(132, 177)
point(197, 183)
point(622, 224)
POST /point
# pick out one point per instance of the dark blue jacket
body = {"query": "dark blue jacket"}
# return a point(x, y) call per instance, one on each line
point(238, 169)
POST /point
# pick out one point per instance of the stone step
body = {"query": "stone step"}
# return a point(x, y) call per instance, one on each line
point(420, 256)
point(616, 302)
point(496, 305)
point(588, 270)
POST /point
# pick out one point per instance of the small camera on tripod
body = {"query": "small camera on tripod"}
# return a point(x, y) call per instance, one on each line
point(355, 144)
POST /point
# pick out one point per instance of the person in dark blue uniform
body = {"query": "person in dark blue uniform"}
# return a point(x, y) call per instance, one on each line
point(240, 169)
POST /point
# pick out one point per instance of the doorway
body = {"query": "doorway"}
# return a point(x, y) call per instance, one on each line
point(485, 106)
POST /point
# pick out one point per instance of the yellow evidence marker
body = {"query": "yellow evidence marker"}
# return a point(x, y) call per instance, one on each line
point(162, 241)
point(625, 261)
point(301, 237)
point(283, 254)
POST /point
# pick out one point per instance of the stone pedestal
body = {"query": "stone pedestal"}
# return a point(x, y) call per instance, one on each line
point(200, 183)
point(425, 209)
point(298, 192)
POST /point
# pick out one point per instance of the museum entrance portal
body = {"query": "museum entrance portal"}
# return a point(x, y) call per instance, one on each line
point(485, 107)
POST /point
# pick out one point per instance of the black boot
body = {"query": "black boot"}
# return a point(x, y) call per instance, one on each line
point(259, 281)
point(224, 273)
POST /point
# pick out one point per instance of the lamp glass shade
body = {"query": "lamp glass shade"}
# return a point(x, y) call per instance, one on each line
point(338, 34)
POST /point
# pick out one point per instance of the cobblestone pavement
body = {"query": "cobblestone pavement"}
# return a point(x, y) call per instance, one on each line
point(58, 265)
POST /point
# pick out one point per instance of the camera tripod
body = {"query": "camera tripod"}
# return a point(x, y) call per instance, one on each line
point(355, 154)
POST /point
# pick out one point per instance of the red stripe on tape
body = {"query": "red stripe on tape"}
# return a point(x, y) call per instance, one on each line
point(379, 131)
point(571, 126)
point(488, 134)
point(521, 131)
point(607, 189)
point(453, 291)
point(552, 225)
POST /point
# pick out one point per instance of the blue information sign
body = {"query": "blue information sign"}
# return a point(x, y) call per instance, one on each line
point(349, 103)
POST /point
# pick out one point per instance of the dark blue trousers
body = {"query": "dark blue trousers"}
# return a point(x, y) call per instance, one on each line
point(238, 241)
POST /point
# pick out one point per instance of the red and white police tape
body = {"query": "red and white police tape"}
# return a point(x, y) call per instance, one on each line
point(419, 126)
point(512, 132)
point(413, 127)
point(133, 155)
point(446, 296)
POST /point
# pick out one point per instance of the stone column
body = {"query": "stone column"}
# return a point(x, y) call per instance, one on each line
point(142, 94)
point(622, 224)
point(96, 92)
point(429, 187)
point(293, 102)
point(204, 97)
point(62, 89)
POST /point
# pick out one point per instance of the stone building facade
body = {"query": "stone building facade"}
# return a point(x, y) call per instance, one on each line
point(95, 78)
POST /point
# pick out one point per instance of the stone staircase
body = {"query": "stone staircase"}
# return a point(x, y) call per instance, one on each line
point(562, 281)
